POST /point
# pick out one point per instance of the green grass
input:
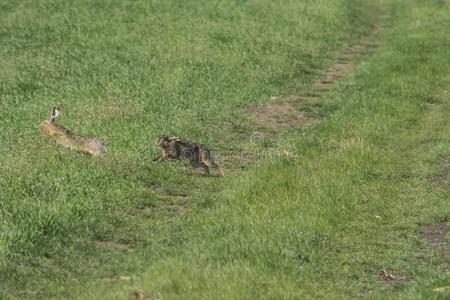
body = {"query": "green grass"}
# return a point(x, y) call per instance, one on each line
point(323, 225)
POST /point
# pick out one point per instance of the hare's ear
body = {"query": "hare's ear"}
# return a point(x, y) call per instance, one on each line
point(55, 113)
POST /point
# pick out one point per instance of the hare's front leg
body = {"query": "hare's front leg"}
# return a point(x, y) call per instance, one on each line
point(201, 165)
point(161, 157)
point(167, 153)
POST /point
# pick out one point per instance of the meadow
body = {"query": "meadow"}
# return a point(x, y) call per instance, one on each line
point(347, 203)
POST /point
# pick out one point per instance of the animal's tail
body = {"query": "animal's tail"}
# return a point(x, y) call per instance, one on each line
point(99, 145)
point(93, 146)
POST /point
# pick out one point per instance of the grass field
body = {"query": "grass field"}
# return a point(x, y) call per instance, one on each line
point(347, 204)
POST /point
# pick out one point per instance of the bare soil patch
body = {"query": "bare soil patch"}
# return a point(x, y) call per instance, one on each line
point(235, 158)
point(114, 245)
point(181, 209)
point(277, 115)
point(442, 178)
point(117, 278)
point(176, 208)
point(139, 295)
point(146, 210)
point(436, 236)
point(162, 193)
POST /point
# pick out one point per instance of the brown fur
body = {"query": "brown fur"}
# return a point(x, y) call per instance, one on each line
point(70, 140)
point(175, 148)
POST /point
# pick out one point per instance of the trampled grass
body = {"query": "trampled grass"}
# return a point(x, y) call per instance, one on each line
point(324, 224)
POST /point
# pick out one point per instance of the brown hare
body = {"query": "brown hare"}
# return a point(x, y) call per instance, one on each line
point(175, 148)
point(69, 139)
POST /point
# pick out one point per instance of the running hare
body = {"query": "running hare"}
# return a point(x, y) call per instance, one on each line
point(69, 139)
point(175, 148)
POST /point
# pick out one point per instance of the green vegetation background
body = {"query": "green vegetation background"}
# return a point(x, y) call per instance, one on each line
point(129, 71)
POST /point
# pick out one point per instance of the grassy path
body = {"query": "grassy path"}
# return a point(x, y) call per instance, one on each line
point(339, 217)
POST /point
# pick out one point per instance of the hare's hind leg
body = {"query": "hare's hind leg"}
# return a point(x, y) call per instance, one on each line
point(218, 167)
point(209, 161)
point(212, 163)
point(201, 165)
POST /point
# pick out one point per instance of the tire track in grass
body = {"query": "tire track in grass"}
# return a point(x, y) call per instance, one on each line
point(290, 111)
point(283, 113)
point(435, 236)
